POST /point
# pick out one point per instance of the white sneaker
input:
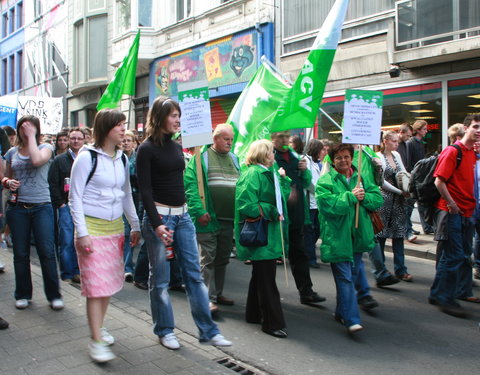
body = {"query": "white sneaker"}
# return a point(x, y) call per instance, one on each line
point(355, 328)
point(100, 352)
point(170, 341)
point(107, 338)
point(218, 340)
point(21, 304)
point(57, 304)
point(2, 267)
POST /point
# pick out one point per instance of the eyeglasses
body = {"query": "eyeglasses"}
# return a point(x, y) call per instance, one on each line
point(339, 158)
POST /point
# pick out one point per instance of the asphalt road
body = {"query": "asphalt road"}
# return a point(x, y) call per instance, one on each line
point(404, 335)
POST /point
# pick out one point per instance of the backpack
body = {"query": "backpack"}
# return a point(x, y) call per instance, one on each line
point(95, 162)
point(422, 183)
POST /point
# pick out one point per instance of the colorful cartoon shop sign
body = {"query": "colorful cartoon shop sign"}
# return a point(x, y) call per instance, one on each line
point(229, 60)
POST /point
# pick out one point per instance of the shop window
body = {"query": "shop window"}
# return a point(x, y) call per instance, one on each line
point(400, 105)
point(463, 99)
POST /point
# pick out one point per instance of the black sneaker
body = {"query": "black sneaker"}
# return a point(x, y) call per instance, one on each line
point(312, 298)
point(3, 324)
point(454, 310)
point(415, 232)
point(367, 303)
point(389, 280)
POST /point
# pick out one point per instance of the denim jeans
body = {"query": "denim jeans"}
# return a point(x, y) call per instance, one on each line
point(476, 247)
point(22, 222)
point(455, 262)
point(377, 258)
point(347, 307)
point(141, 266)
point(67, 255)
point(359, 276)
point(127, 249)
point(408, 219)
point(312, 233)
point(188, 258)
point(398, 255)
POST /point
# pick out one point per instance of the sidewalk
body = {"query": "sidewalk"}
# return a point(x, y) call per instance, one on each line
point(41, 341)
point(423, 247)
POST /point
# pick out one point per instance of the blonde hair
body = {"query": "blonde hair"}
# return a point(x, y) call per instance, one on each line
point(387, 135)
point(129, 133)
point(220, 128)
point(454, 131)
point(259, 152)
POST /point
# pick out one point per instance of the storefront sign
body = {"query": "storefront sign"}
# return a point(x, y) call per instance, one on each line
point(362, 117)
point(196, 125)
point(229, 60)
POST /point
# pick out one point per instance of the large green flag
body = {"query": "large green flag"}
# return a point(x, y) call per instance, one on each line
point(256, 107)
point(124, 80)
point(300, 106)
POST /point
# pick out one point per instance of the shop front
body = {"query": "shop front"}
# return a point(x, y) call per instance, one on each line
point(226, 64)
point(441, 101)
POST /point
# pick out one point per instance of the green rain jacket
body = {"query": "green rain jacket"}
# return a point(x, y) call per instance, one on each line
point(336, 204)
point(194, 203)
point(256, 188)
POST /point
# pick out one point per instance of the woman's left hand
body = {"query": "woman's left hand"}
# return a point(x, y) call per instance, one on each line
point(134, 238)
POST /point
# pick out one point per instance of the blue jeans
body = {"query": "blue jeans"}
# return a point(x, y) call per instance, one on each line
point(398, 255)
point(67, 255)
point(141, 267)
point(408, 219)
point(377, 258)
point(127, 249)
point(188, 258)
point(347, 307)
point(312, 233)
point(359, 276)
point(476, 248)
point(22, 222)
point(455, 263)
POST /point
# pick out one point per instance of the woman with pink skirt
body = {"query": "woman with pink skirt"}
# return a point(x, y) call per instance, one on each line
point(100, 193)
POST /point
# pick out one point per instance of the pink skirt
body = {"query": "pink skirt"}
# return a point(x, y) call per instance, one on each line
point(102, 271)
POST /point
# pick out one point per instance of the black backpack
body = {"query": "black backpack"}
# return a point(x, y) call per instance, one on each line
point(422, 183)
point(95, 162)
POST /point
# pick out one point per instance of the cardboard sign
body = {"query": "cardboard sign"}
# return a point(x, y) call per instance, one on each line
point(196, 124)
point(48, 110)
point(362, 117)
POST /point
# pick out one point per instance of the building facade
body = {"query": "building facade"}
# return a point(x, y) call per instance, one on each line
point(423, 54)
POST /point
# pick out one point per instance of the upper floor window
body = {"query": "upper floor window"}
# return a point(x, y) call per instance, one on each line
point(303, 18)
point(12, 19)
point(423, 22)
point(131, 14)
point(184, 9)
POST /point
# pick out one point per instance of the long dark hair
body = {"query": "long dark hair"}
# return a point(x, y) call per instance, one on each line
point(156, 118)
point(27, 118)
point(105, 120)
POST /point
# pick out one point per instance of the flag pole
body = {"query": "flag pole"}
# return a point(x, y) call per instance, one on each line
point(283, 253)
point(198, 164)
point(359, 181)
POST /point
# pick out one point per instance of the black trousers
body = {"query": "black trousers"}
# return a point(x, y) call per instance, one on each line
point(263, 300)
point(298, 259)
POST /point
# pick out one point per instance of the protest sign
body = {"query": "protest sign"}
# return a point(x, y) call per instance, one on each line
point(8, 110)
point(48, 110)
point(362, 117)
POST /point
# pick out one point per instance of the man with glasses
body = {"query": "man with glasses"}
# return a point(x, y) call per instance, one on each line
point(59, 181)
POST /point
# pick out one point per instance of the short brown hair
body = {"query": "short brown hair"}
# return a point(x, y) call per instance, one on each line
point(258, 152)
point(105, 120)
point(473, 117)
point(404, 128)
point(76, 129)
point(335, 149)
point(35, 122)
point(313, 148)
point(162, 107)
point(417, 125)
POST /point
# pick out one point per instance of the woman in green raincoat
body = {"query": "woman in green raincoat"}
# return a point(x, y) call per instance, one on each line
point(342, 243)
point(258, 193)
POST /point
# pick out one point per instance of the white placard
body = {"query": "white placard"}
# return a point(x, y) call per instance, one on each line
point(362, 118)
point(48, 110)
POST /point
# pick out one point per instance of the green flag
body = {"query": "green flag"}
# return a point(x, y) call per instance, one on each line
point(255, 108)
point(124, 80)
point(300, 106)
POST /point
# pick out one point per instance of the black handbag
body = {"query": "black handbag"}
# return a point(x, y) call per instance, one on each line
point(254, 232)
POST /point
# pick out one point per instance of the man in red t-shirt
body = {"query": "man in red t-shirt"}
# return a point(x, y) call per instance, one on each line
point(456, 206)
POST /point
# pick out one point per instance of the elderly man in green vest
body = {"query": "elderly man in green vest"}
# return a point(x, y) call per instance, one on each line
point(214, 220)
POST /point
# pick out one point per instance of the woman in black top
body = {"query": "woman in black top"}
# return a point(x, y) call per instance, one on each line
point(160, 166)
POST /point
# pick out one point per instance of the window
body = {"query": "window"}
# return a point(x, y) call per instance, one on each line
point(123, 16)
point(184, 9)
point(463, 98)
point(79, 53)
point(4, 76)
point(307, 16)
point(19, 80)
point(19, 20)
point(145, 13)
point(97, 47)
point(428, 22)
point(11, 73)
point(11, 20)
point(4, 24)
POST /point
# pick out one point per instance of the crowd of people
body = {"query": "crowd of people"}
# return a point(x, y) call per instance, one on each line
point(89, 201)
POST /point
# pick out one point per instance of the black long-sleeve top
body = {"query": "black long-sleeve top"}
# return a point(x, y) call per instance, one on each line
point(415, 152)
point(160, 176)
point(60, 168)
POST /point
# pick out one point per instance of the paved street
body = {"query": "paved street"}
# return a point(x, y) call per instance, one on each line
point(404, 335)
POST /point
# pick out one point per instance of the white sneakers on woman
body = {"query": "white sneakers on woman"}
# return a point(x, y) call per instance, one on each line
point(100, 351)
point(170, 341)
point(107, 338)
point(21, 304)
